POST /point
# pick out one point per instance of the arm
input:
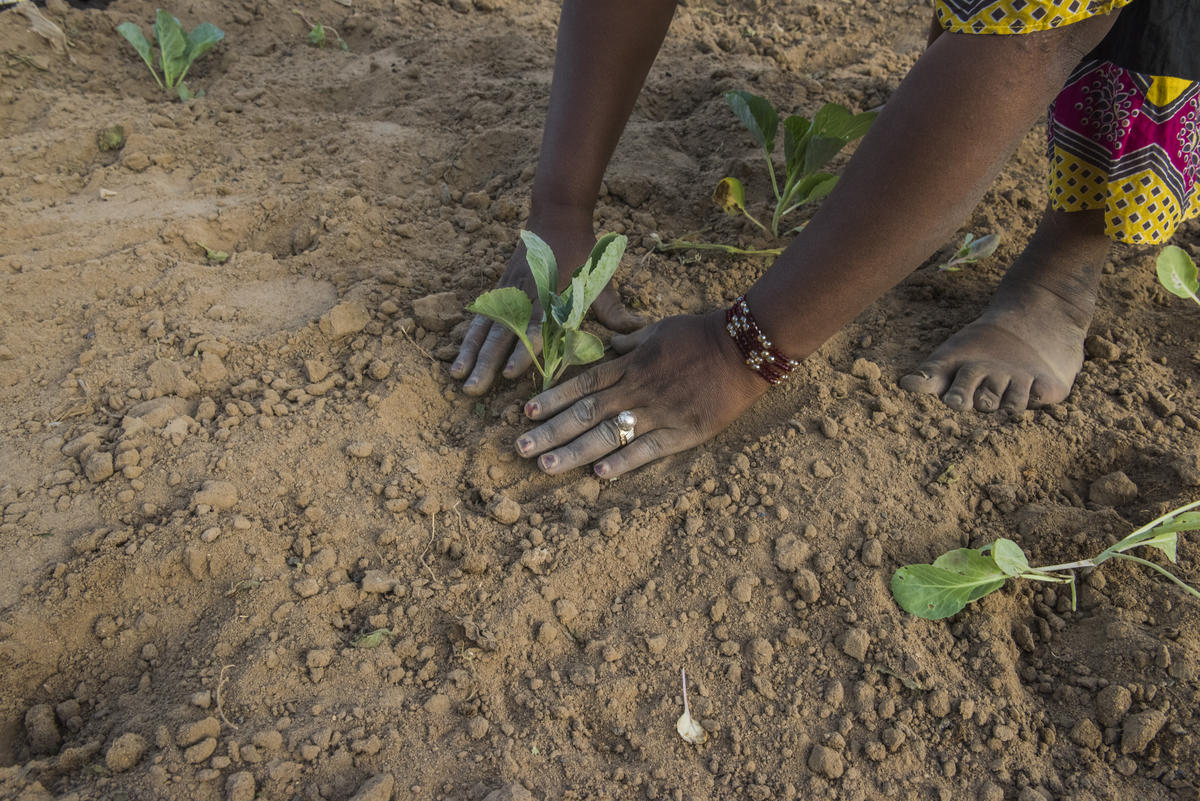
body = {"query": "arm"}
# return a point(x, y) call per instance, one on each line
point(605, 49)
point(927, 160)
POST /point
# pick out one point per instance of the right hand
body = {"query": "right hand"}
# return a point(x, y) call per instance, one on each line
point(489, 346)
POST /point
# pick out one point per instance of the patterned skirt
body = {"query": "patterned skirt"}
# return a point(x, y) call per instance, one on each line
point(1122, 133)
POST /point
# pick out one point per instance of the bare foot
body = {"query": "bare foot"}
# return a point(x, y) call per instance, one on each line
point(1027, 347)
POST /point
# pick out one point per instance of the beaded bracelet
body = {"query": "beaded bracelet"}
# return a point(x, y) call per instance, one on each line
point(760, 355)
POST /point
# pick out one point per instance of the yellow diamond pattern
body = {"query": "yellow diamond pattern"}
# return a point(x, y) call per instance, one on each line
point(1023, 16)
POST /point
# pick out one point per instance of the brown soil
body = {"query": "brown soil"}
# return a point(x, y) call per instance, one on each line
point(191, 626)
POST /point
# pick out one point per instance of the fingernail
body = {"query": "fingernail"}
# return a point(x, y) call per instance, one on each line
point(524, 444)
point(470, 383)
point(601, 469)
point(531, 409)
point(508, 368)
point(456, 366)
point(548, 462)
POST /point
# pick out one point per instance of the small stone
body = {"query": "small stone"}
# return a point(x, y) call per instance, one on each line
point(195, 559)
point(212, 369)
point(1101, 349)
point(202, 699)
point(377, 582)
point(438, 312)
point(504, 509)
point(315, 370)
point(219, 495)
point(821, 469)
point(240, 786)
point(360, 450)
point(200, 751)
point(872, 553)
point(855, 644)
point(743, 588)
point(343, 320)
point(865, 369)
point(1140, 729)
point(791, 553)
point(376, 788)
point(318, 658)
point(807, 585)
point(379, 369)
point(169, 379)
point(438, 705)
point(826, 762)
point(1112, 703)
point(125, 752)
point(306, 587)
point(41, 727)
point(511, 792)
point(1114, 489)
point(829, 427)
point(1087, 734)
point(98, 467)
point(477, 727)
point(136, 161)
point(191, 733)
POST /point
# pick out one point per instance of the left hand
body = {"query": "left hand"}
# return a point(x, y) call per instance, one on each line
point(683, 378)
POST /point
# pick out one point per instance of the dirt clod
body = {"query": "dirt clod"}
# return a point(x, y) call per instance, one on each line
point(1112, 703)
point(125, 752)
point(826, 762)
point(1114, 489)
point(41, 729)
point(855, 644)
point(1140, 729)
point(240, 786)
point(376, 788)
point(343, 320)
point(504, 509)
point(219, 495)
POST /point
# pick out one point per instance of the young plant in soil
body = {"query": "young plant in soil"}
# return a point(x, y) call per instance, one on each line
point(177, 51)
point(808, 147)
point(563, 343)
point(958, 577)
point(971, 251)
point(1177, 272)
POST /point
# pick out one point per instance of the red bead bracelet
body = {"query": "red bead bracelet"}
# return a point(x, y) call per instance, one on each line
point(758, 351)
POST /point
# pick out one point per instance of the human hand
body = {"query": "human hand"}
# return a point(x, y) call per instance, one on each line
point(488, 345)
point(683, 378)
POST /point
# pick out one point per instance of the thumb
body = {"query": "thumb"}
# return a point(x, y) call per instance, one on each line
point(623, 343)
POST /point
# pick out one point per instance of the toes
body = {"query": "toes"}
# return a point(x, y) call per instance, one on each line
point(962, 392)
point(1016, 397)
point(931, 378)
point(991, 389)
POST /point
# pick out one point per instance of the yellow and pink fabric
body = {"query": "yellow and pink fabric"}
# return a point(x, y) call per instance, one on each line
point(1122, 133)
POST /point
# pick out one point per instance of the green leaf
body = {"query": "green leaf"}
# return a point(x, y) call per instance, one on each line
point(1009, 557)
point(977, 570)
point(133, 33)
point(510, 307)
point(1177, 272)
point(575, 298)
point(580, 347)
point(317, 35)
point(173, 46)
point(815, 187)
point(933, 593)
point(542, 264)
point(185, 94)
point(730, 196)
point(603, 263)
point(795, 142)
point(757, 114)
point(204, 37)
point(372, 639)
point(833, 127)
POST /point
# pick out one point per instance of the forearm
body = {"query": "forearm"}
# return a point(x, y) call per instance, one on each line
point(927, 161)
point(604, 52)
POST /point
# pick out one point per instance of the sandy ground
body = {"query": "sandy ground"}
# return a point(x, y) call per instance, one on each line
point(217, 480)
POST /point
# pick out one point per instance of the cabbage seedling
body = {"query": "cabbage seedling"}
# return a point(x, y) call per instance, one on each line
point(808, 147)
point(563, 343)
point(958, 577)
point(971, 251)
point(1177, 272)
point(687, 726)
point(177, 52)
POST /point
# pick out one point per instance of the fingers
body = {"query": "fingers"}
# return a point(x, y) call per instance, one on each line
point(643, 450)
point(469, 349)
point(496, 348)
point(594, 443)
point(623, 343)
point(521, 359)
point(613, 314)
point(585, 414)
point(555, 399)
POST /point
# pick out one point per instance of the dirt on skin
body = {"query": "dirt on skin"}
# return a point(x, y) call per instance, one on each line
point(257, 544)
